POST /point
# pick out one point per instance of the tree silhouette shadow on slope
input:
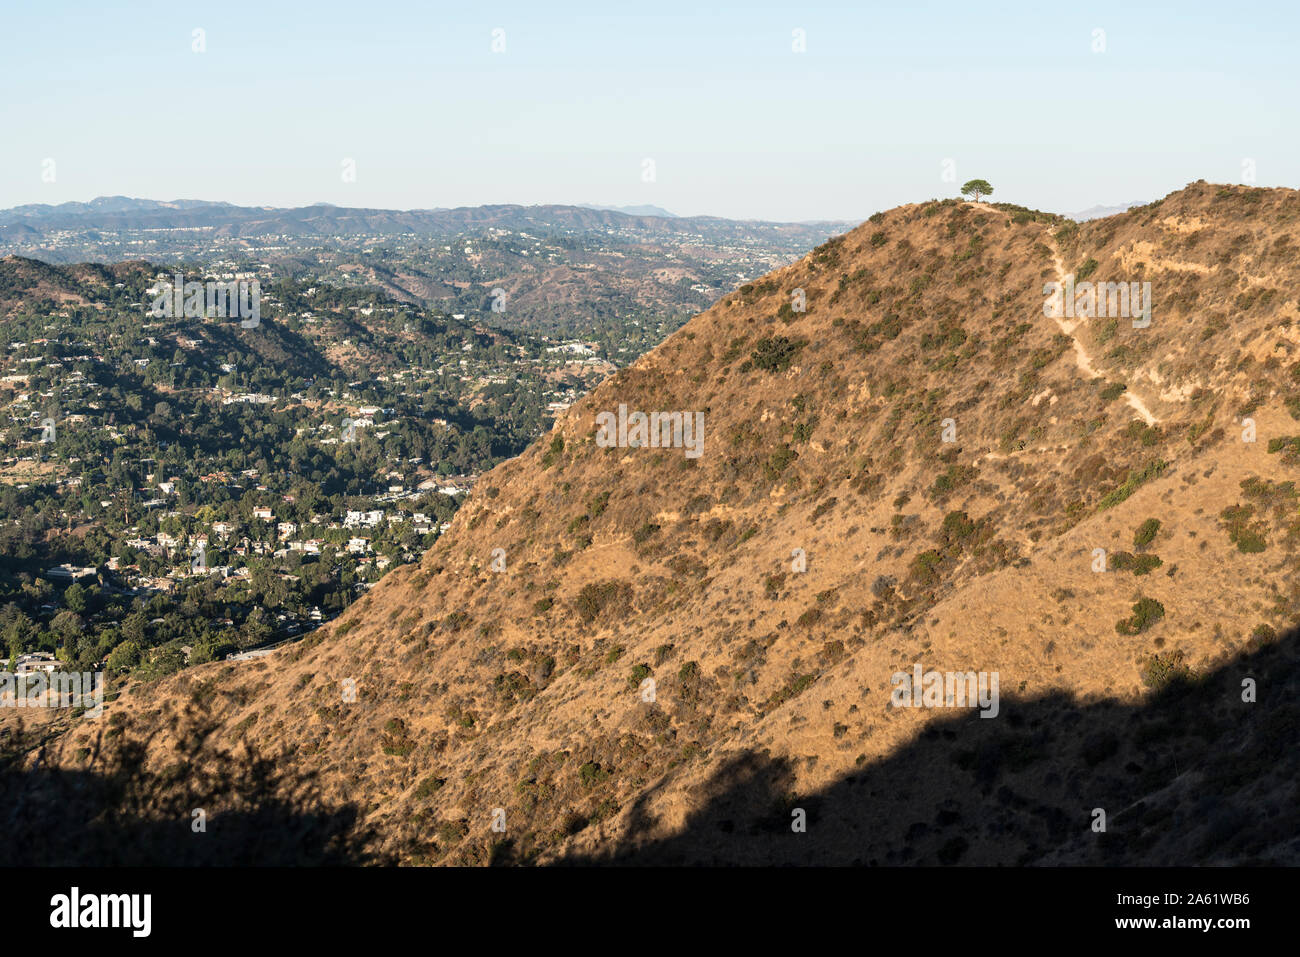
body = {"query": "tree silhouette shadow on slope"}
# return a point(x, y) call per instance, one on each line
point(1191, 775)
point(125, 811)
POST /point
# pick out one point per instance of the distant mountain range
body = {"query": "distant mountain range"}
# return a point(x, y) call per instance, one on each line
point(624, 278)
point(24, 223)
point(101, 205)
point(1099, 212)
point(634, 210)
point(24, 229)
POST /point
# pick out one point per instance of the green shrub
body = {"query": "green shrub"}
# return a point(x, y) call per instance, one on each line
point(822, 508)
point(778, 462)
point(1289, 446)
point(1146, 533)
point(395, 739)
point(1161, 671)
point(776, 353)
point(925, 567)
point(953, 478)
point(803, 431)
point(1263, 634)
point(1247, 537)
point(957, 528)
point(795, 686)
point(1146, 612)
point(429, 787)
point(1134, 481)
point(452, 832)
point(598, 597)
point(455, 621)
point(553, 452)
point(1137, 564)
point(809, 618)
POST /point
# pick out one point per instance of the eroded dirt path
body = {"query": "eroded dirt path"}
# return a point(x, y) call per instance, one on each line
point(1081, 357)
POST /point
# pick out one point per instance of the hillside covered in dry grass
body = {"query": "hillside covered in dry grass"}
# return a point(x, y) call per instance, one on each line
point(919, 468)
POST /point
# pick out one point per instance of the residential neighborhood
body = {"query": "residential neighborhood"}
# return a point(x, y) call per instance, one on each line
point(161, 491)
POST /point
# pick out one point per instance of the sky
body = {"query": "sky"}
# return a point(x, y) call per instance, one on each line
point(719, 108)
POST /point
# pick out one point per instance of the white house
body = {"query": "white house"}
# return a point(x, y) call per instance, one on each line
point(36, 661)
point(368, 519)
point(68, 573)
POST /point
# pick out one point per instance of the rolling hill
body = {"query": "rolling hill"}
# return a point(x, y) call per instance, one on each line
point(632, 654)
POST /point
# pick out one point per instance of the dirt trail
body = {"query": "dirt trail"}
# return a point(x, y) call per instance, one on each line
point(1081, 357)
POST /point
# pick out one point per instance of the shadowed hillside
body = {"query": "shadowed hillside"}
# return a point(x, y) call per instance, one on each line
point(118, 810)
point(1193, 776)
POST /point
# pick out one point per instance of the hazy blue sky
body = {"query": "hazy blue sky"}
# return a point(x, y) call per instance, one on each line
point(736, 123)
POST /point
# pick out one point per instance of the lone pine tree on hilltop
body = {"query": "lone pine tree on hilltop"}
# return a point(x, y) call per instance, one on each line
point(977, 188)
